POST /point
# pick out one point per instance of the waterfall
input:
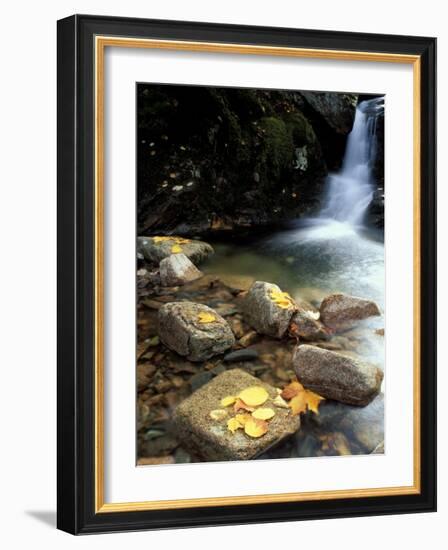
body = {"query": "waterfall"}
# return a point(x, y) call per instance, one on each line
point(350, 191)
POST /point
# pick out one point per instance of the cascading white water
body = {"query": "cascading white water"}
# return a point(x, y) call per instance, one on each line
point(350, 191)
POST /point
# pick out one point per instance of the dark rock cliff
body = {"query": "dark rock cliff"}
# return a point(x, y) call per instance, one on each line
point(213, 159)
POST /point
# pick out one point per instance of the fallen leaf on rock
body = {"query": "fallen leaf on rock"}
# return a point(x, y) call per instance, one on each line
point(291, 390)
point(176, 240)
point(280, 402)
point(176, 249)
point(255, 427)
point(205, 317)
point(298, 403)
point(233, 424)
point(254, 396)
point(218, 414)
point(243, 418)
point(263, 413)
point(282, 299)
point(313, 400)
point(241, 405)
point(227, 401)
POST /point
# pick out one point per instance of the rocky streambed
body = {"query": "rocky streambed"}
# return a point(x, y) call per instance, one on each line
point(200, 333)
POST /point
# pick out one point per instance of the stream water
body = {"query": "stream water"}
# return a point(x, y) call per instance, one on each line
point(333, 252)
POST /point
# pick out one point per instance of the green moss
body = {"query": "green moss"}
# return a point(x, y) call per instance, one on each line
point(301, 130)
point(278, 145)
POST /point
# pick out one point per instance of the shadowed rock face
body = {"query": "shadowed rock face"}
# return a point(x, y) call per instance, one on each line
point(263, 313)
point(211, 439)
point(336, 376)
point(194, 330)
point(218, 159)
point(341, 311)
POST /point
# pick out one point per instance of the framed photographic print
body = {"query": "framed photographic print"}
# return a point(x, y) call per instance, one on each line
point(246, 271)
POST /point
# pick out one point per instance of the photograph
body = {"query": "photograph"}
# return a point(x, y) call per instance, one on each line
point(260, 274)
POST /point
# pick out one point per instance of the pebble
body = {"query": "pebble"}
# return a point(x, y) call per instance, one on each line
point(200, 379)
point(241, 355)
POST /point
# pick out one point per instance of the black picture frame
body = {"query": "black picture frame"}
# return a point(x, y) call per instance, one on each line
point(76, 254)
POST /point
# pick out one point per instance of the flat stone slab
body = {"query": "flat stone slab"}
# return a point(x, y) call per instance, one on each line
point(336, 376)
point(155, 249)
point(210, 439)
point(194, 330)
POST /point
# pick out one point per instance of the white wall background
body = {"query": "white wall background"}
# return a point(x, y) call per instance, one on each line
point(28, 270)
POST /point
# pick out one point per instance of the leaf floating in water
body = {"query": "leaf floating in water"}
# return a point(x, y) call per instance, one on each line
point(282, 299)
point(313, 400)
point(176, 249)
point(254, 396)
point(218, 414)
point(255, 427)
point(205, 317)
point(264, 413)
point(233, 424)
point(227, 401)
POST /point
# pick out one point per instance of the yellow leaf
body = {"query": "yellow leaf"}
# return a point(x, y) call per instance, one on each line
point(282, 299)
point(298, 403)
point(264, 414)
point(291, 390)
point(175, 240)
point(313, 400)
point(218, 414)
point(254, 396)
point(206, 317)
point(176, 249)
point(233, 425)
point(240, 405)
point(227, 401)
point(242, 418)
point(255, 427)
point(280, 402)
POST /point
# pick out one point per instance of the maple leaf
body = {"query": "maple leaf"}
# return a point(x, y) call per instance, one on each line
point(282, 299)
point(313, 401)
point(298, 403)
point(254, 396)
point(292, 390)
point(255, 427)
point(263, 413)
point(205, 317)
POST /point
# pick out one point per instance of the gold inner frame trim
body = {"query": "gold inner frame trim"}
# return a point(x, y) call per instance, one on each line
point(101, 42)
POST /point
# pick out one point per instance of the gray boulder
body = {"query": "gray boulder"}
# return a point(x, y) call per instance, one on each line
point(155, 249)
point(337, 109)
point(194, 330)
point(341, 311)
point(305, 323)
point(337, 376)
point(268, 310)
point(177, 270)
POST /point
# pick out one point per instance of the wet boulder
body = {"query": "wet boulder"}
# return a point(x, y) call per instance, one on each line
point(155, 249)
point(337, 109)
point(268, 310)
point(305, 323)
point(341, 311)
point(208, 437)
point(336, 376)
point(194, 331)
point(177, 270)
